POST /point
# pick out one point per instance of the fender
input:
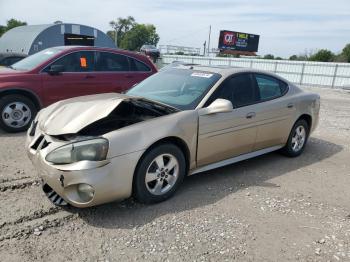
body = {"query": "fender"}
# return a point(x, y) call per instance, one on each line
point(22, 91)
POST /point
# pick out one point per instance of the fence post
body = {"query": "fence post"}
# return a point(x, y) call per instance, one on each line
point(302, 74)
point(192, 60)
point(251, 63)
point(229, 62)
point(275, 69)
point(335, 75)
point(209, 60)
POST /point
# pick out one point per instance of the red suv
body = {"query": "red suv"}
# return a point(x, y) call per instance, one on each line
point(62, 72)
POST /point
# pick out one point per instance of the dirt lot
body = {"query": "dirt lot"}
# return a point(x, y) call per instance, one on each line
point(270, 208)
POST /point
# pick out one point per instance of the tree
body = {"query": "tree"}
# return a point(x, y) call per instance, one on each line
point(301, 57)
point(346, 53)
point(121, 26)
point(12, 23)
point(2, 29)
point(341, 58)
point(323, 55)
point(269, 56)
point(139, 35)
point(131, 35)
point(293, 58)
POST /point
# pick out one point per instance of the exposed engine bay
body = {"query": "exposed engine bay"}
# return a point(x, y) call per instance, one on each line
point(129, 112)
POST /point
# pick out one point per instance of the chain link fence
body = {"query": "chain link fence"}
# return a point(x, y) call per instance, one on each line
point(335, 75)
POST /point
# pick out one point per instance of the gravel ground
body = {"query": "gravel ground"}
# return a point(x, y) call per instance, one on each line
point(270, 208)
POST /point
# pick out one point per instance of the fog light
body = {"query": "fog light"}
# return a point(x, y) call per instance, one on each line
point(86, 192)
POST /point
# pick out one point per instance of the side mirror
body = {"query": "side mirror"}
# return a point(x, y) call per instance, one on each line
point(56, 69)
point(218, 106)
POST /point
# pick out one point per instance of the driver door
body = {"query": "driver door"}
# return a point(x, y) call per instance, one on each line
point(225, 135)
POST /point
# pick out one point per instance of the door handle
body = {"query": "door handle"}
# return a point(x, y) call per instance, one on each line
point(129, 76)
point(291, 105)
point(89, 76)
point(250, 115)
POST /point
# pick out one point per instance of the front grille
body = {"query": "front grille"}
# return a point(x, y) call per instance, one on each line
point(37, 142)
point(40, 143)
point(44, 144)
point(53, 196)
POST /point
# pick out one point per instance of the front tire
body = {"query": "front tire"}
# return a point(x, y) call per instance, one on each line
point(297, 139)
point(16, 113)
point(159, 174)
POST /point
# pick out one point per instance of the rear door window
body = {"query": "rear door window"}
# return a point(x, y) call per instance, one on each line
point(110, 62)
point(82, 61)
point(270, 87)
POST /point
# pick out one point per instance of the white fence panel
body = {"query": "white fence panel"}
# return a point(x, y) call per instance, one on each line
point(304, 73)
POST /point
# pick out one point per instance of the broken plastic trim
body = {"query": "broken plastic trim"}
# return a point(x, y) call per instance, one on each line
point(53, 196)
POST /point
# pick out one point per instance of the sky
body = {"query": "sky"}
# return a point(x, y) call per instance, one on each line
point(286, 27)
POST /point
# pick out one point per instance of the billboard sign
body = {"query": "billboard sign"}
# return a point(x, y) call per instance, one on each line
point(230, 40)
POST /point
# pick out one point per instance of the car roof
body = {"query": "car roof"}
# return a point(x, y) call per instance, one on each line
point(227, 70)
point(98, 48)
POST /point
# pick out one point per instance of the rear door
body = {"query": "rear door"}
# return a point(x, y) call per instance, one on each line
point(78, 77)
point(118, 72)
point(274, 112)
point(139, 70)
point(113, 72)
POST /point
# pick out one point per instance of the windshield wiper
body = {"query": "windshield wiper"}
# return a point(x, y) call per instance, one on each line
point(10, 66)
point(158, 109)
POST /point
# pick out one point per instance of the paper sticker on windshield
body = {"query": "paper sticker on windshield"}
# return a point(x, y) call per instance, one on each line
point(48, 53)
point(205, 75)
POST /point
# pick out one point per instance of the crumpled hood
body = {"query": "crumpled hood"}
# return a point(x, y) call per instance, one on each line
point(71, 115)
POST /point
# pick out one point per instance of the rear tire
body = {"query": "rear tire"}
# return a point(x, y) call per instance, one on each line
point(159, 174)
point(297, 139)
point(16, 113)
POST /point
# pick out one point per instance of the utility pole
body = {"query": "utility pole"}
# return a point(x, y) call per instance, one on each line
point(209, 40)
point(116, 36)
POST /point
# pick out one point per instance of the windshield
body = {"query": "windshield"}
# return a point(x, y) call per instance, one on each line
point(180, 88)
point(33, 61)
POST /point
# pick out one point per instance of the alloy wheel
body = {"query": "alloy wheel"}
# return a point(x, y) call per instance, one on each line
point(162, 174)
point(298, 139)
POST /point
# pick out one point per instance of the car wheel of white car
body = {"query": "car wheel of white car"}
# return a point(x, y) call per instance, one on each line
point(159, 173)
point(297, 139)
point(17, 113)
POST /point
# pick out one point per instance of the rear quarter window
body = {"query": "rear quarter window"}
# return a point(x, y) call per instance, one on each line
point(138, 66)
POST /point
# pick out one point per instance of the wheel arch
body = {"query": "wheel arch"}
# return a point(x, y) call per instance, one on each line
point(176, 141)
point(172, 140)
point(24, 92)
point(307, 118)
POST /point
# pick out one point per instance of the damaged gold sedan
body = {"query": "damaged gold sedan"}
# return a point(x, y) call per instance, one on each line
point(187, 119)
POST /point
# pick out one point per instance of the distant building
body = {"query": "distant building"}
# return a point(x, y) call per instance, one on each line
point(184, 50)
point(34, 38)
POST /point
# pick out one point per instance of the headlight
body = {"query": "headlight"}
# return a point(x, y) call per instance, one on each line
point(92, 150)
